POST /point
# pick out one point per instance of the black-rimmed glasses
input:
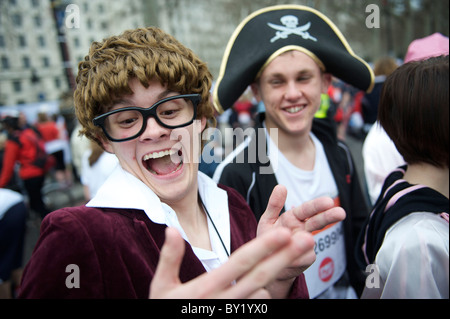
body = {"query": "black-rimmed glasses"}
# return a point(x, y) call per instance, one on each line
point(127, 123)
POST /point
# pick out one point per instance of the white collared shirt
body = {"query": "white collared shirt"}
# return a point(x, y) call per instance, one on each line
point(124, 190)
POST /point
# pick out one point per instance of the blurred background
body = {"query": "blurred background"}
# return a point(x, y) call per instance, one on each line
point(42, 41)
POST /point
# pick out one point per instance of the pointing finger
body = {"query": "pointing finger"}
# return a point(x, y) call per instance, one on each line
point(167, 272)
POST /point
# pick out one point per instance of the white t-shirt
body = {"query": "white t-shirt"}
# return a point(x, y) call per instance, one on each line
point(304, 186)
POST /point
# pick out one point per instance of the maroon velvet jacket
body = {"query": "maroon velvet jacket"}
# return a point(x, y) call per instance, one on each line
point(117, 251)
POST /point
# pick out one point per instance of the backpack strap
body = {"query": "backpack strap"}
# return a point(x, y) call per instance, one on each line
point(400, 194)
point(399, 199)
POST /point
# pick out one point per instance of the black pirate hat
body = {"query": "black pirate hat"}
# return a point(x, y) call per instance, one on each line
point(271, 31)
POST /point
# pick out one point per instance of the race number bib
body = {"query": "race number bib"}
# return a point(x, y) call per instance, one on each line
point(330, 262)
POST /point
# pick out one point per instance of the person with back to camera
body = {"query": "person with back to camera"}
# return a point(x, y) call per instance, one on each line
point(405, 240)
point(157, 227)
point(288, 54)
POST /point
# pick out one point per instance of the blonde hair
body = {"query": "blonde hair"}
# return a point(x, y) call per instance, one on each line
point(144, 54)
point(385, 66)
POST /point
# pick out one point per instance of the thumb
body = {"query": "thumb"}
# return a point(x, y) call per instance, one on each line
point(275, 205)
point(168, 270)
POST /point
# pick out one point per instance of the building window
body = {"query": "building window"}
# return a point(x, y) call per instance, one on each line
point(17, 20)
point(46, 61)
point(38, 21)
point(5, 63)
point(22, 41)
point(104, 25)
point(26, 62)
point(58, 83)
point(17, 86)
point(41, 41)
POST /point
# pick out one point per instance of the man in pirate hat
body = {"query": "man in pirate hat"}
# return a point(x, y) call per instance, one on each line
point(288, 54)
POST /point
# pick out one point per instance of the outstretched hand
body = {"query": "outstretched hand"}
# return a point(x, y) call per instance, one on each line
point(248, 270)
point(310, 216)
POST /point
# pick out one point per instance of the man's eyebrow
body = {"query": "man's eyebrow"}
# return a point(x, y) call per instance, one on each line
point(300, 72)
point(164, 94)
point(121, 101)
point(129, 102)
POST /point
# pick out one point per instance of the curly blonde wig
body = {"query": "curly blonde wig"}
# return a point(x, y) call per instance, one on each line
point(144, 53)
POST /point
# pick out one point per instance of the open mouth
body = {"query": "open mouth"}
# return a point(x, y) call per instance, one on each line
point(295, 109)
point(163, 162)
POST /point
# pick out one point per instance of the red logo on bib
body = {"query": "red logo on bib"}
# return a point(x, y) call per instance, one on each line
point(326, 269)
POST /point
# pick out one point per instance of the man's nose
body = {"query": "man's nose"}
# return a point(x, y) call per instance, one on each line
point(153, 130)
point(293, 91)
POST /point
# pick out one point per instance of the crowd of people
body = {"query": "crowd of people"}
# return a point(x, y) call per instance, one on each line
point(292, 222)
point(36, 158)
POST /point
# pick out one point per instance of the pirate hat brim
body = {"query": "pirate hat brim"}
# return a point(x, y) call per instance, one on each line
point(269, 32)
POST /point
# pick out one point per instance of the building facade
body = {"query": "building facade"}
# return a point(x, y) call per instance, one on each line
point(42, 41)
point(30, 61)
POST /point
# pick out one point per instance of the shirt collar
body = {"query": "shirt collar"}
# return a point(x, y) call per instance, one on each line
point(134, 194)
point(123, 190)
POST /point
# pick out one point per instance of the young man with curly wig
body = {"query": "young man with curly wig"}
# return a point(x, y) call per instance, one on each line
point(157, 226)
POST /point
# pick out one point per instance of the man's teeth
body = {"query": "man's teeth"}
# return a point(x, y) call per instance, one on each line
point(294, 109)
point(159, 154)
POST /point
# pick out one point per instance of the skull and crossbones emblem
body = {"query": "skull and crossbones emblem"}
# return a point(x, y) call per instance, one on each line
point(289, 27)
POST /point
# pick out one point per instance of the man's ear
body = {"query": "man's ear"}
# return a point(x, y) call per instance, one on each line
point(203, 122)
point(106, 144)
point(256, 91)
point(326, 82)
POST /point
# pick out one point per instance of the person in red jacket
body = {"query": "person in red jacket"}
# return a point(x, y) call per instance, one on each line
point(47, 128)
point(54, 145)
point(25, 147)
